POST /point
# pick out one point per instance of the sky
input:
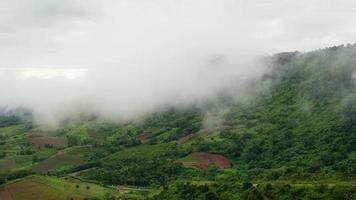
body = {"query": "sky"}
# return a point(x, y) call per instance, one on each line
point(127, 57)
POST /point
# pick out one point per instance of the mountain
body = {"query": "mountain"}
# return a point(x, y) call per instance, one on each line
point(293, 138)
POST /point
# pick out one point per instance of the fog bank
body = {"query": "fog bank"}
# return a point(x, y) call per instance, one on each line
point(121, 59)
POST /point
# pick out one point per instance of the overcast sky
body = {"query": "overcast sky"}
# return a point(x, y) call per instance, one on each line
point(127, 56)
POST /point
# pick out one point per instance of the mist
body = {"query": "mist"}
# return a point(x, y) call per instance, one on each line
point(122, 59)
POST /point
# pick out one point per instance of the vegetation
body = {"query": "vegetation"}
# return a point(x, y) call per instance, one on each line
point(294, 140)
point(40, 187)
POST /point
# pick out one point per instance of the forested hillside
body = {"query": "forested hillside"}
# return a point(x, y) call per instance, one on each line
point(295, 138)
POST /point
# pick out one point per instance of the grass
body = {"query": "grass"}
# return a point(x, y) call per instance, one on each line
point(14, 139)
point(53, 188)
point(191, 158)
point(23, 160)
point(15, 162)
point(45, 153)
point(12, 130)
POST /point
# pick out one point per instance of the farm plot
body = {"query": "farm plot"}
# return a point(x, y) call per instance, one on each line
point(203, 160)
point(62, 159)
point(7, 164)
point(44, 141)
point(53, 188)
point(5, 194)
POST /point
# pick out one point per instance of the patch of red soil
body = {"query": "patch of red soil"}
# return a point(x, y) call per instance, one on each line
point(208, 159)
point(5, 194)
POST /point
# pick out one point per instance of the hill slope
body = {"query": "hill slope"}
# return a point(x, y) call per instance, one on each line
point(293, 139)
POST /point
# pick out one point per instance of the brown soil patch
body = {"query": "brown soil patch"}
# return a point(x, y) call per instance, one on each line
point(41, 142)
point(203, 160)
point(5, 194)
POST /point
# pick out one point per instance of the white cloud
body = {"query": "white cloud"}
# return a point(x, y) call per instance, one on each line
point(127, 57)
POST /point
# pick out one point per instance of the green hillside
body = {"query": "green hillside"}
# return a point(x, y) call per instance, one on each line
point(293, 137)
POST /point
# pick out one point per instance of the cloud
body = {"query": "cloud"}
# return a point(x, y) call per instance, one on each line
point(125, 57)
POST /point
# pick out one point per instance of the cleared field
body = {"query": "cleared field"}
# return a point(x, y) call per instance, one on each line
point(203, 160)
point(5, 194)
point(52, 188)
point(41, 142)
point(7, 164)
point(62, 159)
